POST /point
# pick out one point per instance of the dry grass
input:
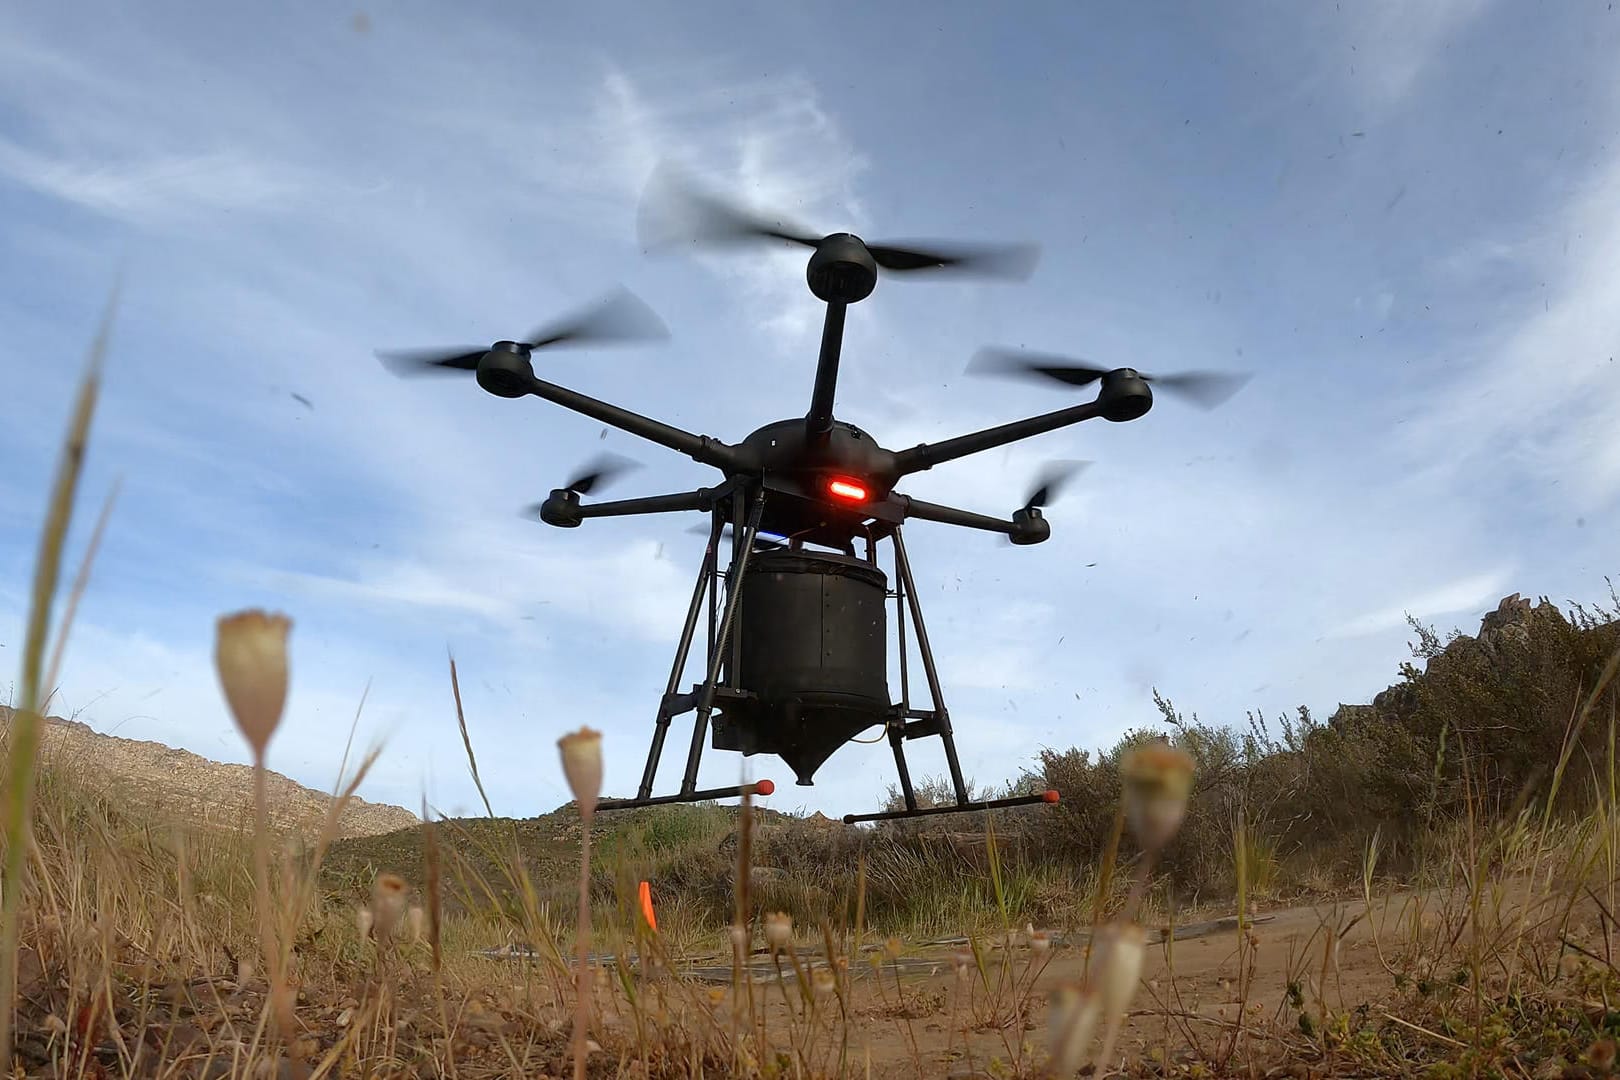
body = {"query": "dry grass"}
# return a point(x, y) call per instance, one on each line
point(131, 951)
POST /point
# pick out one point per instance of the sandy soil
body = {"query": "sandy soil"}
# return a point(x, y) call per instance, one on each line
point(1331, 949)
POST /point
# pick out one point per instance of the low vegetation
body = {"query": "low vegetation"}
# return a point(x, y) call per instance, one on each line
point(1423, 885)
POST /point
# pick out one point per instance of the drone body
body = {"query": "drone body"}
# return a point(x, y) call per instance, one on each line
point(796, 657)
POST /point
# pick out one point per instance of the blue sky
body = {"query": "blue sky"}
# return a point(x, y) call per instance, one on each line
point(1403, 219)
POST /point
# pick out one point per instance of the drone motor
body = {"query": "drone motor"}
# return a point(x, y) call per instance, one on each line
point(842, 270)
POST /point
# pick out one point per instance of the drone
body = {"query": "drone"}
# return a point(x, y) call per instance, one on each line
point(796, 648)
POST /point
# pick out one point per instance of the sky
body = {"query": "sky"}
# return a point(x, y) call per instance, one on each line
point(1402, 220)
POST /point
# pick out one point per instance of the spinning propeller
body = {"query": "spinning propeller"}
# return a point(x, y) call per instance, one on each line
point(675, 210)
point(618, 317)
point(1053, 479)
point(1206, 389)
point(600, 469)
point(728, 532)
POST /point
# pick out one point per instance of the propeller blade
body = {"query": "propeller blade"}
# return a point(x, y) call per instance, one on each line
point(1205, 389)
point(1011, 261)
point(1021, 362)
point(676, 210)
point(1054, 477)
point(433, 361)
point(603, 467)
point(619, 316)
point(728, 531)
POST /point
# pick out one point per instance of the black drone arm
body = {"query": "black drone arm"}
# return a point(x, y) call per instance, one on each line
point(700, 448)
point(950, 515)
point(925, 456)
point(701, 499)
point(818, 421)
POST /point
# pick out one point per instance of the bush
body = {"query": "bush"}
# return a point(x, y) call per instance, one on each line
point(1480, 727)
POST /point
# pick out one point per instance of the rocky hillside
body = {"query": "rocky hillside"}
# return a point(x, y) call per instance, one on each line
point(167, 784)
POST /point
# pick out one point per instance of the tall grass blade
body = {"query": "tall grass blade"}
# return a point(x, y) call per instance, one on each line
point(27, 719)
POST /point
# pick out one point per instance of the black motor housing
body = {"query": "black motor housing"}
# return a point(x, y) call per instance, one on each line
point(813, 642)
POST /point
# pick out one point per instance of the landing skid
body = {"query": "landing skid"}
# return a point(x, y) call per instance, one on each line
point(902, 722)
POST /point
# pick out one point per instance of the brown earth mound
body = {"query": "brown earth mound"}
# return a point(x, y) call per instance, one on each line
point(162, 782)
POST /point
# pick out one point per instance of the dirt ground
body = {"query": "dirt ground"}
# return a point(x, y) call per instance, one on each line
point(1297, 946)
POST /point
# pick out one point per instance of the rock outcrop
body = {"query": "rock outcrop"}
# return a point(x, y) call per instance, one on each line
point(1504, 633)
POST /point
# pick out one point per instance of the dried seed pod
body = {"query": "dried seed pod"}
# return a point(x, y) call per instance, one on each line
point(387, 904)
point(1157, 780)
point(250, 657)
point(1122, 948)
point(1117, 961)
point(1070, 1025)
point(778, 930)
point(582, 767)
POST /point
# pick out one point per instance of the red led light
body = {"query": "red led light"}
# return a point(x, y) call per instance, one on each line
point(847, 489)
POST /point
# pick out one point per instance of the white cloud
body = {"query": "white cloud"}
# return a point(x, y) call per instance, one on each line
point(157, 189)
point(782, 152)
point(1469, 594)
point(1397, 42)
point(619, 585)
point(1540, 386)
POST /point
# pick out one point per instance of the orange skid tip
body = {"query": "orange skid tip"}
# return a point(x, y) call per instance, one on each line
point(764, 787)
point(647, 908)
point(1049, 795)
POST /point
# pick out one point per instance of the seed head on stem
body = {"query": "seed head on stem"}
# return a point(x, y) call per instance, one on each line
point(778, 930)
point(388, 894)
point(250, 655)
point(1157, 780)
point(1120, 951)
point(582, 766)
point(1070, 1025)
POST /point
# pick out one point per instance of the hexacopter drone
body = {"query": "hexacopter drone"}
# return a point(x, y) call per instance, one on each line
point(797, 655)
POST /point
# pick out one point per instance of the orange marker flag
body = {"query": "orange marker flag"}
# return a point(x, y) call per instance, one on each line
point(646, 906)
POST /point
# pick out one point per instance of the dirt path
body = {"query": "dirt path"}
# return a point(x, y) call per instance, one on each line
point(1327, 949)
